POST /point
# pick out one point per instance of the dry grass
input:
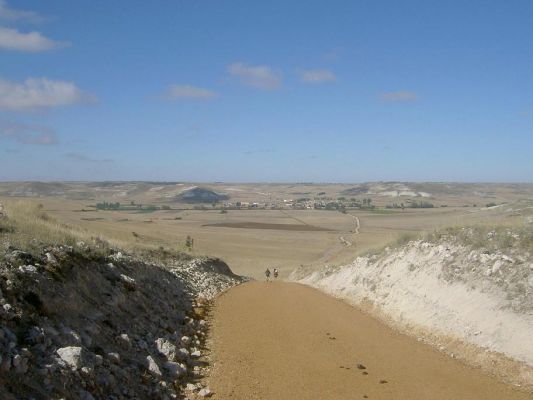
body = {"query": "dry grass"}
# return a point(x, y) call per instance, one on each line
point(490, 237)
point(249, 251)
point(28, 227)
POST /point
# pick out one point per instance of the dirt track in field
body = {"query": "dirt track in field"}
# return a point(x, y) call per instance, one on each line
point(288, 341)
point(259, 225)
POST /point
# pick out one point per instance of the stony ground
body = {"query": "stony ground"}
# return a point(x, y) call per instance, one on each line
point(77, 323)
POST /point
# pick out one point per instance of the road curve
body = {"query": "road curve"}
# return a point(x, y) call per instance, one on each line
point(288, 341)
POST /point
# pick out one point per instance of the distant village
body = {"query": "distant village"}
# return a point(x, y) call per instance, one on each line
point(338, 204)
point(303, 204)
point(319, 203)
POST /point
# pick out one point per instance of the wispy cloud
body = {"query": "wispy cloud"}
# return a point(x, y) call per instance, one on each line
point(257, 76)
point(175, 92)
point(398, 96)
point(28, 133)
point(12, 14)
point(314, 76)
point(40, 93)
point(33, 42)
point(333, 54)
point(258, 151)
point(83, 158)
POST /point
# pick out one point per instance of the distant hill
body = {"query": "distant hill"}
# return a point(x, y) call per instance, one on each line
point(356, 190)
point(201, 195)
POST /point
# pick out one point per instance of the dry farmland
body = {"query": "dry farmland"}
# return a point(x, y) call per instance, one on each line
point(250, 240)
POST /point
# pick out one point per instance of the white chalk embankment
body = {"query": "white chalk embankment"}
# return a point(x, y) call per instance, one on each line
point(475, 306)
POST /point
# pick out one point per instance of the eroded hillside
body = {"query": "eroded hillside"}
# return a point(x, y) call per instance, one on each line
point(87, 321)
point(468, 291)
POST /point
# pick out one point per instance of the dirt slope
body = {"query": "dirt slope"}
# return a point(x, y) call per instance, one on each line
point(288, 341)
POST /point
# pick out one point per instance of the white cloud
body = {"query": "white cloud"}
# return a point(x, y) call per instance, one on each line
point(40, 93)
point(12, 39)
point(399, 96)
point(28, 133)
point(317, 76)
point(258, 76)
point(188, 92)
point(16, 15)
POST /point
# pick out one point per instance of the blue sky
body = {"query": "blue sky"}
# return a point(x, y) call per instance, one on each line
point(202, 90)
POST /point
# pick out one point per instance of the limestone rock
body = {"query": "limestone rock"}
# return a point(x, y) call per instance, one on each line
point(152, 366)
point(205, 392)
point(72, 356)
point(129, 282)
point(166, 348)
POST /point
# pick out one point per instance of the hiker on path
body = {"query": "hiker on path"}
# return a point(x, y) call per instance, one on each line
point(275, 273)
point(267, 274)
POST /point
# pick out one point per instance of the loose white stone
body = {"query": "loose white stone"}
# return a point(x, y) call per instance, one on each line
point(128, 281)
point(124, 340)
point(152, 366)
point(51, 258)
point(98, 359)
point(71, 355)
point(205, 392)
point(183, 353)
point(16, 360)
point(196, 354)
point(29, 269)
point(114, 357)
point(166, 348)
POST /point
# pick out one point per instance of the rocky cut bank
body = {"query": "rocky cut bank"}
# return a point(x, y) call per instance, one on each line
point(468, 291)
point(79, 322)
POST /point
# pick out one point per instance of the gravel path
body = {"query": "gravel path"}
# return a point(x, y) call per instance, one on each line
point(288, 341)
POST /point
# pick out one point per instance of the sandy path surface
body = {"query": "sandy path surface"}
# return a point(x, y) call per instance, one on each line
point(289, 341)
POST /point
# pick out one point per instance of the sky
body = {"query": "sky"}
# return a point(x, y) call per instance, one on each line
point(270, 91)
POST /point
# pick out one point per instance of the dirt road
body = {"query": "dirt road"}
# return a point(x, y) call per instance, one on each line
point(287, 341)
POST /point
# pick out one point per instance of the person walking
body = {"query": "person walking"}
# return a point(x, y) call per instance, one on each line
point(267, 274)
point(275, 273)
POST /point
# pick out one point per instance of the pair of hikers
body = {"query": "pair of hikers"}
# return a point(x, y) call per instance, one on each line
point(267, 274)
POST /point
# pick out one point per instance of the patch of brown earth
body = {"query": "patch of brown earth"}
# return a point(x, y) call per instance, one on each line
point(259, 225)
point(289, 341)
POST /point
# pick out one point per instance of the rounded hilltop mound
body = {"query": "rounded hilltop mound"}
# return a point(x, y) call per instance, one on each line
point(201, 195)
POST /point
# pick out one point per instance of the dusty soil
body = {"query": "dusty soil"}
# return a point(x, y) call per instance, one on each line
point(258, 225)
point(288, 341)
